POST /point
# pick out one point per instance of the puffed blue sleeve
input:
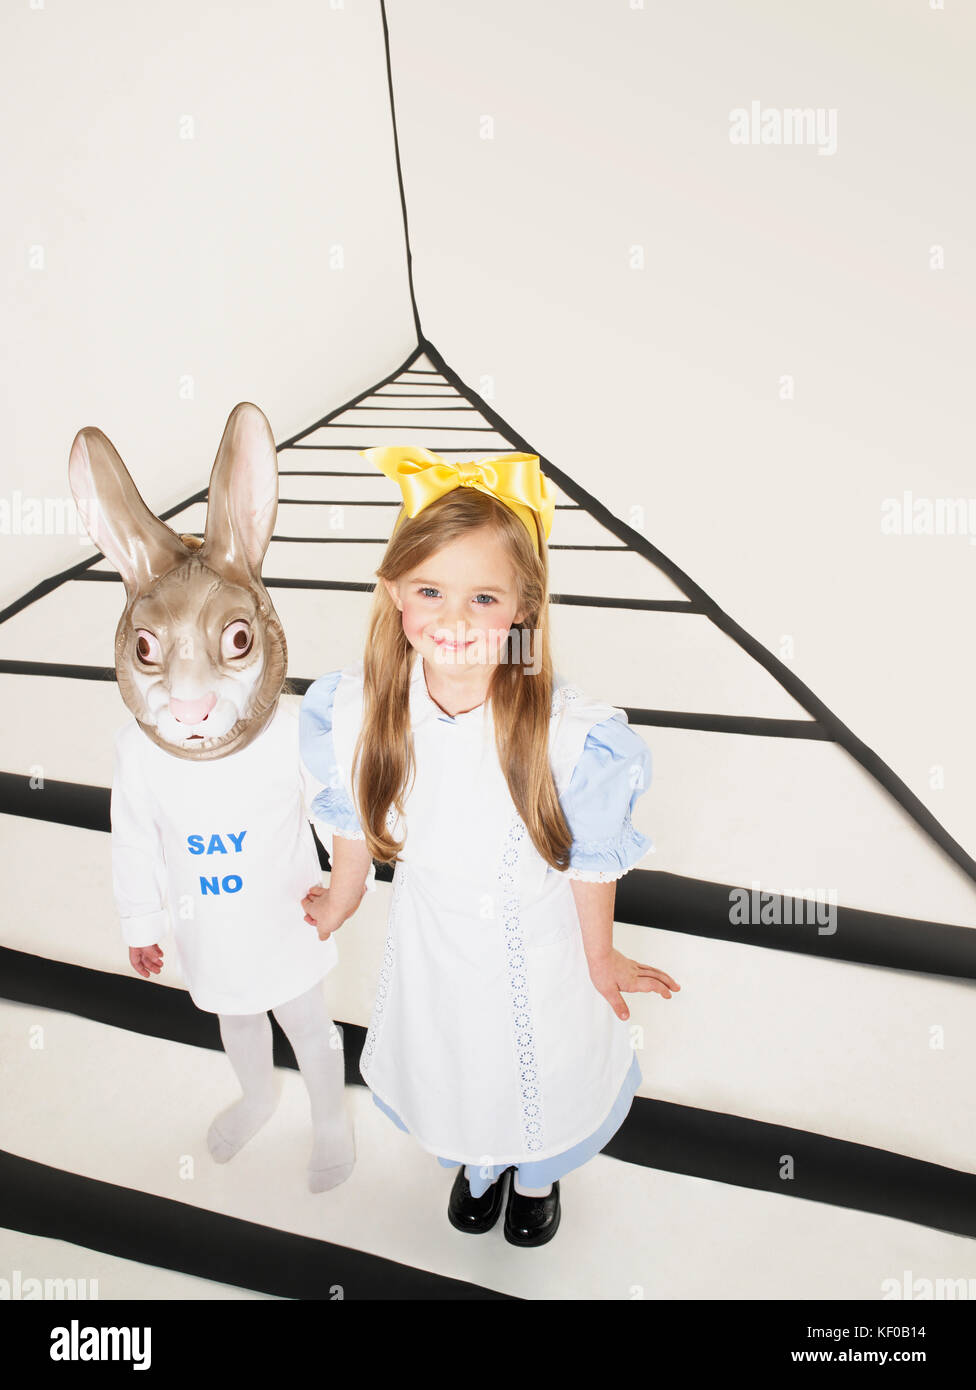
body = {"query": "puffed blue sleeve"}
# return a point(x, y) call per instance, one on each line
point(332, 806)
point(613, 770)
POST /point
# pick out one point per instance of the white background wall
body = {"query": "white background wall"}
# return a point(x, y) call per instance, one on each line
point(207, 257)
point(659, 388)
point(655, 388)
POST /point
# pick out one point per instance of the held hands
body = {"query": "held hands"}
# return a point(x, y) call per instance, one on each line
point(318, 913)
point(326, 909)
point(616, 972)
point(146, 960)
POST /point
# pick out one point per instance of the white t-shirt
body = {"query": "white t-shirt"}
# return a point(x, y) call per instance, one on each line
point(221, 851)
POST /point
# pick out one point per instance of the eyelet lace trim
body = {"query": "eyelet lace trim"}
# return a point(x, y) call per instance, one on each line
point(562, 696)
point(386, 972)
point(616, 846)
point(524, 1036)
point(595, 875)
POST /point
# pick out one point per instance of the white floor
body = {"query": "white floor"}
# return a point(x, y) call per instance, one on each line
point(875, 1056)
point(132, 1110)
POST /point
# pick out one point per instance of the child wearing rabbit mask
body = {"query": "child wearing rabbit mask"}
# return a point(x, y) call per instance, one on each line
point(210, 832)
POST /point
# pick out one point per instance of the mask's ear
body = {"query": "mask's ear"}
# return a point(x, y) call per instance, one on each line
point(243, 498)
point(139, 545)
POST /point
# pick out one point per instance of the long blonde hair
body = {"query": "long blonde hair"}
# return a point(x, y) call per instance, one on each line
point(520, 700)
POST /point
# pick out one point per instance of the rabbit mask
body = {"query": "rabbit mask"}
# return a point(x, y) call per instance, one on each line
point(200, 655)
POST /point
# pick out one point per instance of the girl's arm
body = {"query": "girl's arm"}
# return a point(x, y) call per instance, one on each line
point(327, 909)
point(610, 970)
point(350, 866)
point(594, 903)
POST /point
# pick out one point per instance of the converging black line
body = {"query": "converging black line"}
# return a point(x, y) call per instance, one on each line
point(705, 604)
point(399, 170)
point(79, 571)
point(428, 429)
point(54, 581)
point(348, 405)
point(659, 605)
point(755, 725)
point(352, 448)
point(384, 540)
point(362, 502)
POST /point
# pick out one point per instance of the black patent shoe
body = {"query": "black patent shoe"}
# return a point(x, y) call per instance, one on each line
point(531, 1220)
point(475, 1214)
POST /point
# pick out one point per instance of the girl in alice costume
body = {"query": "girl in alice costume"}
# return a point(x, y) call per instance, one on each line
point(499, 1034)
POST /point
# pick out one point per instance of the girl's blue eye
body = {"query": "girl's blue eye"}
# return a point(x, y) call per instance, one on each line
point(428, 589)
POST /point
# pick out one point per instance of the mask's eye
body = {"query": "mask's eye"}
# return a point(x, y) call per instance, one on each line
point(148, 649)
point(236, 640)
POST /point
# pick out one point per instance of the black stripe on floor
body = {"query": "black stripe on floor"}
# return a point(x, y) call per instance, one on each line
point(755, 725)
point(656, 1134)
point(650, 898)
point(660, 718)
point(131, 1225)
point(649, 605)
point(384, 540)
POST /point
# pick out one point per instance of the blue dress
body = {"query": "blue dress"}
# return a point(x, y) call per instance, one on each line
point(601, 765)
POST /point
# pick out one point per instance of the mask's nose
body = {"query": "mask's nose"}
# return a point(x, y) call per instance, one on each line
point(192, 711)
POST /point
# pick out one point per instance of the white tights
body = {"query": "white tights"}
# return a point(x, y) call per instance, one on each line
point(247, 1040)
point(522, 1191)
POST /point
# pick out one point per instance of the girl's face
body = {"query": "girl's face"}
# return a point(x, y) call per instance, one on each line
point(460, 603)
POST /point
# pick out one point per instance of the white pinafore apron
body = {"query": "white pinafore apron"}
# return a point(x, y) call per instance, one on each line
point(487, 1038)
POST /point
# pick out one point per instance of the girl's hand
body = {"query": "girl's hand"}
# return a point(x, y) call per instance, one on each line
point(617, 972)
point(145, 960)
point(317, 913)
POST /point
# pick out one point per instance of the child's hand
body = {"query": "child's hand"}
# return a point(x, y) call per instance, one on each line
point(317, 911)
point(145, 960)
point(617, 972)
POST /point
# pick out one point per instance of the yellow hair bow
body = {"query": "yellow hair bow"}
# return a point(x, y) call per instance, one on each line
point(515, 479)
